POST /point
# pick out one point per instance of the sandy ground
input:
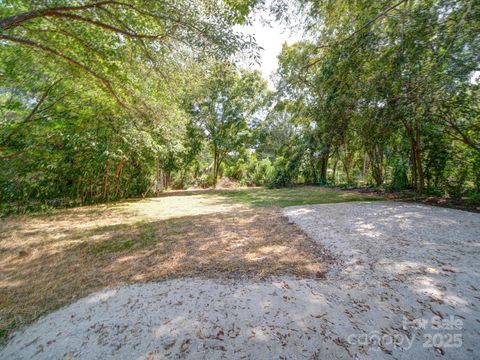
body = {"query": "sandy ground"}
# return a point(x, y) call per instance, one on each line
point(405, 286)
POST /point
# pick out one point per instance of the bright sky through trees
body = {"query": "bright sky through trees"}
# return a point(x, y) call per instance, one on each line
point(270, 37)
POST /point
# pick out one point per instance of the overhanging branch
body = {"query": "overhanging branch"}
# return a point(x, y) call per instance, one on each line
point(33, 44)
point(351, 36)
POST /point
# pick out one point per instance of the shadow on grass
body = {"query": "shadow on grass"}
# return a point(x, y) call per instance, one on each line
point(252, 243)
point(48, 261)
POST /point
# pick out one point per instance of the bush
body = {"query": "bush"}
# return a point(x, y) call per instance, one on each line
point(178, 181)
point(281, 176)
point(456, 187)
point(261, 173)
point(250, 171)
point(399, 178)
point(474, 197)
point(204, 181)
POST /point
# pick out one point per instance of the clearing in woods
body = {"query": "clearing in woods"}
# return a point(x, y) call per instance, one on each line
point(47, 261)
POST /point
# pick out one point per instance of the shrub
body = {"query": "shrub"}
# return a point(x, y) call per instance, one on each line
point(400, 178)
point(281, 176)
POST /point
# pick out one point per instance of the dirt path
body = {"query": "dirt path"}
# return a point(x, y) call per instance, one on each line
point(405, 286)
point(406, 272)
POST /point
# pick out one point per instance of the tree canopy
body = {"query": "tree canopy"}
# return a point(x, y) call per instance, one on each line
point(102, 100)
point(379, 83)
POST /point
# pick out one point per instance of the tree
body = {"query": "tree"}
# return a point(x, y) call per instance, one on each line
point(91, 93)
point(99, 37)
point(378, 80)
point(227, 103)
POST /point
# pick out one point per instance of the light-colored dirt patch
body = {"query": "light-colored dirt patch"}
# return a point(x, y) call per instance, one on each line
point(49, 261)
point(189, 318)
point(403, 270)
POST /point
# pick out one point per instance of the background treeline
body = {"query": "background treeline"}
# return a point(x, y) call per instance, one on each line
point(102, 100)
point(385, 93)
point(106, 100)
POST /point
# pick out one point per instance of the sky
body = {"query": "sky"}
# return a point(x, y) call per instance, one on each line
point(270, 38)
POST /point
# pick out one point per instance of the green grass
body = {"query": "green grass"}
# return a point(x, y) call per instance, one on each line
point(305, 195)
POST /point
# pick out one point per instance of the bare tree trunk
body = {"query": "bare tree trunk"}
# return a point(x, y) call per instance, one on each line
point(365, 166)
point(216, 165)
point(158, 179)
point(414, 164)
point(335, 170)
point(324, 166)
point(118, 177)
point(314, 170)
point(418, 160)
point(347, 162)
point(418, 176)
point(105, 182)
point(166, 179)
point(376, 160)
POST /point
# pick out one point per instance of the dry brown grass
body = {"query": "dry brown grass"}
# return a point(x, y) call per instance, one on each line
point(49, 261)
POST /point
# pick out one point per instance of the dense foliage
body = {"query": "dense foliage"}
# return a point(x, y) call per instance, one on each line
point(384, 93)
point(102, 100)
point(93, 94)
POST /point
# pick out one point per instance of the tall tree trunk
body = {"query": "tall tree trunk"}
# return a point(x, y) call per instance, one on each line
point(166, 179)
point(158, 179)
point(365, 166)
point(335, 170)
point(376, 160)
point(215, 166)
point(347, 162)
point(105, 182)
point(314, 170)
point(414, 164)
point(324, 166)
point(418, 160)
point(118, 175)
point(418, 176)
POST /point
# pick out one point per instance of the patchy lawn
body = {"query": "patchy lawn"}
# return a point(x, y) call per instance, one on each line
point(47, 261)
point(303, 195)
